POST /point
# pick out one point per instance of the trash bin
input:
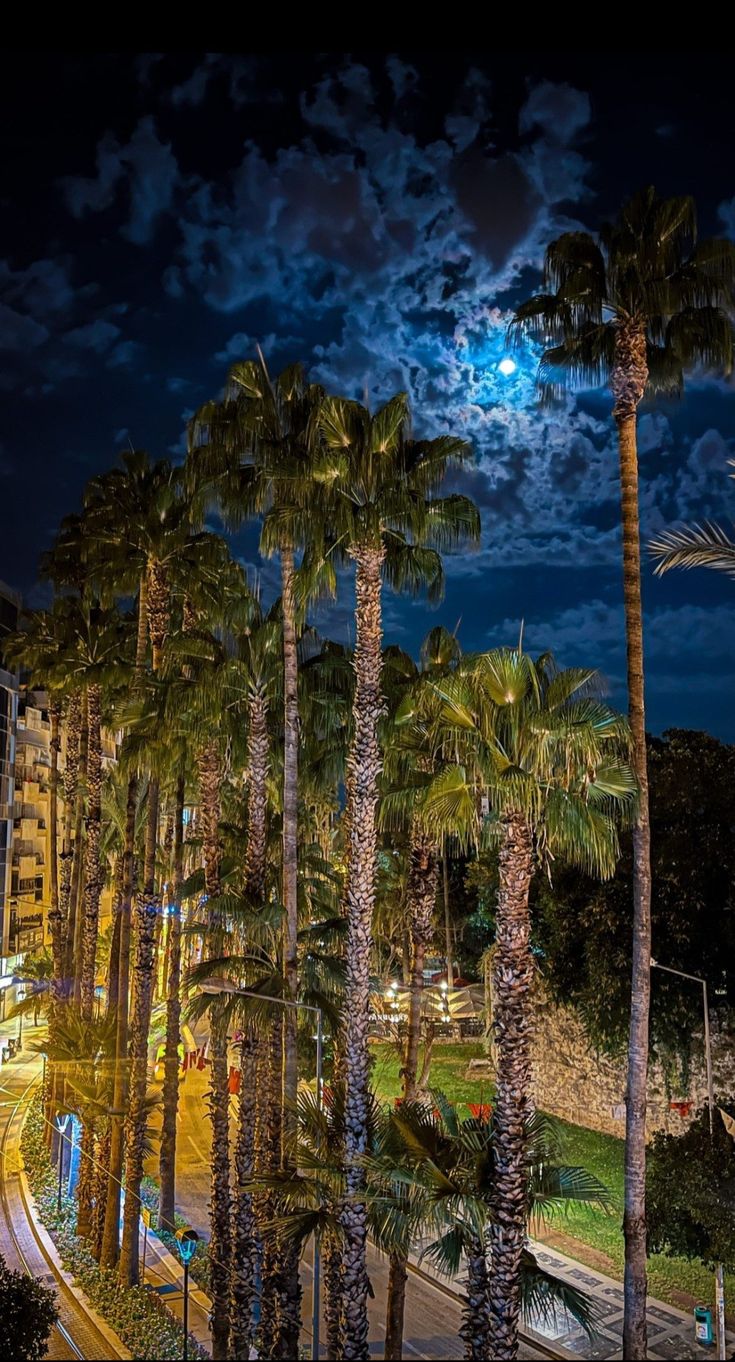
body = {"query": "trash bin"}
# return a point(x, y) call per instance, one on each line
point(703, 1331)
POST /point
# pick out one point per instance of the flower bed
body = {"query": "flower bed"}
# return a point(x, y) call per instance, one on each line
point(138, 1317)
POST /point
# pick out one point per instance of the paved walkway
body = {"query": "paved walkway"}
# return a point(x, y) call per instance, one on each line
point(670, 1331)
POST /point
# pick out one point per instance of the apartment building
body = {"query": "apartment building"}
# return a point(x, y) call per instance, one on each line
point(9, 613)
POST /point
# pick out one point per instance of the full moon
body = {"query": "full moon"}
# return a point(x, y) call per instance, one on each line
point(507, 367)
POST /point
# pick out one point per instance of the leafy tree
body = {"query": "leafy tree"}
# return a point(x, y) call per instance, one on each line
point(583, 929)
point(28, 1313)
point(634, 308)
point(690, 1191)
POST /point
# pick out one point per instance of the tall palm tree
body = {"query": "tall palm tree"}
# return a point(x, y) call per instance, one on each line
point(634, 308)
point(381, 504)
point(94, 661)
point(551, 760)
point(412, 755)
point(253, 452)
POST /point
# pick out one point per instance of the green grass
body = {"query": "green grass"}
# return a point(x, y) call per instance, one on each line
point(599, 1154)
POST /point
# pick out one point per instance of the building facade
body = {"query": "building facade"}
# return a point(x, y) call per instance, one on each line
point(9, 614)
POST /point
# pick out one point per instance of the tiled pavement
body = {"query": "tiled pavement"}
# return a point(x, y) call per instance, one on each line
point(670, 1331)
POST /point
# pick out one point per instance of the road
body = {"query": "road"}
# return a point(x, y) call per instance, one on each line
point(433, 1314)
point(75, 1336)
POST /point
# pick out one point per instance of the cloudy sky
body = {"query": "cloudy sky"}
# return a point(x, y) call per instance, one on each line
point(377, 217)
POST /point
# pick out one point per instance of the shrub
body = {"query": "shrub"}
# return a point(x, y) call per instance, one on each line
point(28, 1313)
point(137, 1316)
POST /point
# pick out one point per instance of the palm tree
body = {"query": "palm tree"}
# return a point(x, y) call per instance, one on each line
point(551, 760)
point(635, 308)
point(167, 1164)
point(411, 756)
point(432, 1178)
point(254, 451)
point(380, 491)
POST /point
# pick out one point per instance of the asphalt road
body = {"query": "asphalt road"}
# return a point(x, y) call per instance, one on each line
point(432, 1317)
point(76, 1335)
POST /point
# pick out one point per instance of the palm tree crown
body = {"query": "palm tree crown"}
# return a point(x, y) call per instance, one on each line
point(646, 270)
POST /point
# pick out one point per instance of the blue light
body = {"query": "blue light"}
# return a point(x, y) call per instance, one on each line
point(507, 367)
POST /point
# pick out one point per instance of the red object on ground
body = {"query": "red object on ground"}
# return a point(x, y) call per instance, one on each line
point(480, 1111)
point(234, 1080)
point(398, 1102)
point(683, 1107)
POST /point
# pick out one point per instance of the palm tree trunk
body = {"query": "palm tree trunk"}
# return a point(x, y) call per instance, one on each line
point(421, 895)
point(258, 763)
point(220, 1238)
point(158, 607)
point(167, 1167)
point(475, 1327)
point(447, 921)
point(85, 1184)
point(395, 1307)
point(628, 383)
point(268, 1135)
point(101, 1175)
point(93, 869)
point(111, 1235)
point(291, 1285)
point(364, 770)
point(244, 1242)
point(77, 874)
point(512, 978)
point(146, 911)
point(290, 827)
point(333, 1297)
point(220, 1242)
point(113, 967)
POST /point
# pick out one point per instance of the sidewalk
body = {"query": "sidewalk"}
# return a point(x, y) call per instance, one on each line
point(670, 1331)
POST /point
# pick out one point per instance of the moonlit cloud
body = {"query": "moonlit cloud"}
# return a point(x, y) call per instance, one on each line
point(382, 234)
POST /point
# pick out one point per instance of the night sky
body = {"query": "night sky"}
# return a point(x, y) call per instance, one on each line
point(376, 217)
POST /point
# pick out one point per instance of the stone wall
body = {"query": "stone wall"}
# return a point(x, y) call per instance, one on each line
point(572, 1081)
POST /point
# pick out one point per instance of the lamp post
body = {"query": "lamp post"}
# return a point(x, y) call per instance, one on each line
point(226, 986)
point(188, 1240)
point(719, 1272)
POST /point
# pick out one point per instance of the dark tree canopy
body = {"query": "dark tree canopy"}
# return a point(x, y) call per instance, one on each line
point(584, 928)
point(27, 1315)
point(690, 1192)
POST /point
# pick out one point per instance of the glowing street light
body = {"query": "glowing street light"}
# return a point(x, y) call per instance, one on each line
point(187, 1241)
point(507, 367)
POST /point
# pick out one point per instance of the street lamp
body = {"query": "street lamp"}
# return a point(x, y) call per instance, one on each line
point(187, 1240)
point(227, 986)
point(719, 1272)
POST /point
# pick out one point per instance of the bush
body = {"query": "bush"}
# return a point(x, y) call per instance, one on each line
point(690, 1191)
point(138, 1317)
point(28, 1313)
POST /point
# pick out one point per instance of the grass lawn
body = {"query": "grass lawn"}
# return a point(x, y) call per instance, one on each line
point(670, 1279)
